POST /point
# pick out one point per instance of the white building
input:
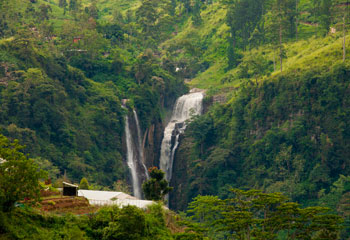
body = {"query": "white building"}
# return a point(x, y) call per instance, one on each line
point(108, 198)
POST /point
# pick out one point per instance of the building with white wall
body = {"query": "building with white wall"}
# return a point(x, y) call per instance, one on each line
point(108, 198)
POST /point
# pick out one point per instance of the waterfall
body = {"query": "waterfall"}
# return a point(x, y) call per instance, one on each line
point(185, 106)
point(135, 156)
point(131, 160)
point(140, 145)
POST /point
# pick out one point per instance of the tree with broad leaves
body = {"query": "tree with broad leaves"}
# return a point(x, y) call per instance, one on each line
point(19, 176)
point(84, 184)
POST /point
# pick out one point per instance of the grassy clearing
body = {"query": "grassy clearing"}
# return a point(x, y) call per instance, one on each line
point(301, 56)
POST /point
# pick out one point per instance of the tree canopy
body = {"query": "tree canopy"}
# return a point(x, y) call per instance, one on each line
point(253, 214)
point(156, 188)
point(19, 175)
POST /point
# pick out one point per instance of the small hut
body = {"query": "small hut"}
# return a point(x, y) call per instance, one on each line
point(70, 189)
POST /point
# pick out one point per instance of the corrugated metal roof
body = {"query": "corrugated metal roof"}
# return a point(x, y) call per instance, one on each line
point(98, 195)
point(69, 184)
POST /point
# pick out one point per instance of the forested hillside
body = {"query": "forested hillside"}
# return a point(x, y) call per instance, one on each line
point(64, 71)
point(277, 109)
point(284, 127)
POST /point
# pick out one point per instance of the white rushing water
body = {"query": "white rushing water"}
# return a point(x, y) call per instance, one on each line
point(131, 160)
point(140, 145)
point(135, 156)
point(185, 106)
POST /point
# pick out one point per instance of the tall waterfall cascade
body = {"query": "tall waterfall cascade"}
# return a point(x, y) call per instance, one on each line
point(135, 156)
point(140, 145)
point(132, 162)
point(185, 106)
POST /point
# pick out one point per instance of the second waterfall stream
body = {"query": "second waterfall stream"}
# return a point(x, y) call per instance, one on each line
point(185, 106)
point(135, 156)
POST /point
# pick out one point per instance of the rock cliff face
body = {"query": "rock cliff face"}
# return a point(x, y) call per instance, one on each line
point(182, 181)
point(207, 102)
point(153, 135)
point(152, 140)
point(180, 196)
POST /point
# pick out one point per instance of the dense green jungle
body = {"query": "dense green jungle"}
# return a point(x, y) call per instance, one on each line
point(269, 158)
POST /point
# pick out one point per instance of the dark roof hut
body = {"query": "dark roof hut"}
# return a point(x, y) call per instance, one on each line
point(70, 189)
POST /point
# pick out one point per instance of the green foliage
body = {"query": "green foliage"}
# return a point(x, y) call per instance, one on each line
point(242, 18)
point(107, 223)
point(64, 75)
point(233, 55)
point(73, 5)
point(129, 224)
point(44, 102)
point(156, 187)
point(121, 186)
point(46, 165)
point(29, 224)
point(147, 16)
point(196, 18)
point(19, 176)
point(325, 12)
point(84, 184)
point(253, 214)
point(156, 223)
point(252, 142)
point(62, 3)
point(254, 67)
point(189, 236)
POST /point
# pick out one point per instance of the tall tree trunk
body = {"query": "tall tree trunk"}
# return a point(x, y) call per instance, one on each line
point(344, 39)
point(280, 35)
point(274, 59)
point(248, 233)
point(281, 54)
point(296, 19)
point(315, 21)
point(344, 29)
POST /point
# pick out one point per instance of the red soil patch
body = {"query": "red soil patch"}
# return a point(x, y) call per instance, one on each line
point(75, 205)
